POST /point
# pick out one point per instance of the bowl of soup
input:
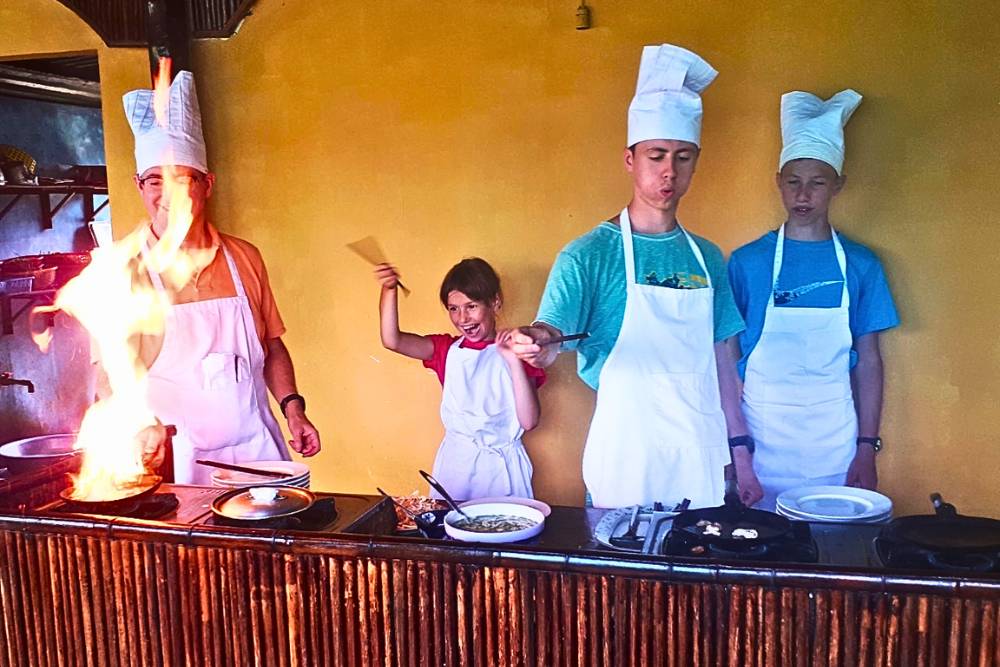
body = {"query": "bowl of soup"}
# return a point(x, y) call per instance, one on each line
point(494, 522)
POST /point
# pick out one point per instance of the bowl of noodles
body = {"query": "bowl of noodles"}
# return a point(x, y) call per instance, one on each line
point(494, 523)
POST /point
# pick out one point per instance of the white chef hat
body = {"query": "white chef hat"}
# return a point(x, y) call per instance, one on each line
point(179, 143)
point(812, 128)
point(667, 102)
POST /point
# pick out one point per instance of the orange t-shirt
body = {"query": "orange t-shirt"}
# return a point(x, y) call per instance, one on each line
point(215, 282)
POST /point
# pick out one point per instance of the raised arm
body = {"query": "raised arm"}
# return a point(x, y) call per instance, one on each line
point(525, 392)
point(408, 344)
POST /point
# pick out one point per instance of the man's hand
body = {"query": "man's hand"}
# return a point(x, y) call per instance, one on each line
point(153, 443)
point(305, 437)
point(862, 472)
point(746, 479)
point(528, 344)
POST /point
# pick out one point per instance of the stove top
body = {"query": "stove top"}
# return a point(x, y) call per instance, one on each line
point(330, 513)
point(903, 555)
point(796, 547)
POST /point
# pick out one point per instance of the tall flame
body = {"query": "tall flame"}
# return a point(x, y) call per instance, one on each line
point(116, 309)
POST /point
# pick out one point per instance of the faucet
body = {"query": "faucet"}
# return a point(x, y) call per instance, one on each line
point(7, 379)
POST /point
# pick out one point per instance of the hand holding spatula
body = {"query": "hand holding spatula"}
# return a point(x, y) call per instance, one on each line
point(369, 250)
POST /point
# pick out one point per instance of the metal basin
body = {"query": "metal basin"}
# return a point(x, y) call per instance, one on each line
point(34, 453)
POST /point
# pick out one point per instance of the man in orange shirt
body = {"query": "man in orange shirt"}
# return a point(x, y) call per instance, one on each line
point(221, 349)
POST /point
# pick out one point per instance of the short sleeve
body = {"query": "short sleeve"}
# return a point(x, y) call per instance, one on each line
point(274, 326)
point(876, 310)
point(442, 343)
point(536, 374)
point(566, 300)
point(728, 321)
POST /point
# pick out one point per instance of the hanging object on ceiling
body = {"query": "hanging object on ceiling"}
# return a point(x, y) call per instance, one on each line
point(582, 16)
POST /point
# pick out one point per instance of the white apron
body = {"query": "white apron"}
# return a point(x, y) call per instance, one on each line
point(481, 454)
point(797, 394)
point(208, 381)
point(658, 432)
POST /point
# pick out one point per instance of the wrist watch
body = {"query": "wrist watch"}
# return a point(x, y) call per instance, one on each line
point(742, 441)
point(875, 442)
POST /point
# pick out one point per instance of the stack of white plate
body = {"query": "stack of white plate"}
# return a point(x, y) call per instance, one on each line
point(297, 475)
point(834, 504)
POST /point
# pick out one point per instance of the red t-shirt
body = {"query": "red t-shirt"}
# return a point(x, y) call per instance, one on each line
point(442, 342)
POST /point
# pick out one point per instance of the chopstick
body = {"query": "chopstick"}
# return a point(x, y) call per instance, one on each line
point(236, 468)
point(563, 339)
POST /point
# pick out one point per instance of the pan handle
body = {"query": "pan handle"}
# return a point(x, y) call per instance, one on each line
point(941, 508)
point(436, 485)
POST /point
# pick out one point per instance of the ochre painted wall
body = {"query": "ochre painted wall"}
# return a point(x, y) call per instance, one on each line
point(462, 128)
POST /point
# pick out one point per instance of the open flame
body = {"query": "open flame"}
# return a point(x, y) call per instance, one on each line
point(116, 309)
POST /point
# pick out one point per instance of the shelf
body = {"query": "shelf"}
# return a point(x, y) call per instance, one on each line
point(44, 192)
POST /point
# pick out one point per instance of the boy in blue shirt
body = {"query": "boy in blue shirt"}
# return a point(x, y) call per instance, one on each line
point(814, 304)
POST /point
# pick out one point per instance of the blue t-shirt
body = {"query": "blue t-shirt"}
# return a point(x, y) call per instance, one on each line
point(810, 278)
point(586, 287)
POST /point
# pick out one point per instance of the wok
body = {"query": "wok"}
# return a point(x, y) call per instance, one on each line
point(946, 530)
point(41, 451)
point(733, 514)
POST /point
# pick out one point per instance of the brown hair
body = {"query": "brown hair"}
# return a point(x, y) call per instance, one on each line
point(474, 278)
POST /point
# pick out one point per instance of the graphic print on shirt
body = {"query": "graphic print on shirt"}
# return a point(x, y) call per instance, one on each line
point(782, 297)
point(677, 280)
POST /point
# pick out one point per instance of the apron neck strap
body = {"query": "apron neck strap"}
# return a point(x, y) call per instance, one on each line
point(779, 256)
point(625, 224)
point(157, 280)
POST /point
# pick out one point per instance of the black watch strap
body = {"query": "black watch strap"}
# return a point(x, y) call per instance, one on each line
point(875, 442)
point(288, 399)
point(742, 441)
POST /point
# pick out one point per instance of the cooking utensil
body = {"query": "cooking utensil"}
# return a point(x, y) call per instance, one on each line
point(563, 339)
point(487, 509)
point(630, 538)
point(146, 487)
point(731, 515)
point(430, 523)
point(240, 505)
point(244, 469)
point(369, 250)
point(40, 451)
point(436, 485)
point(946, 531)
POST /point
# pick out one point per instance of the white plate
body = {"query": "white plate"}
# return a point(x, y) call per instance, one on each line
point(834, 503)
point(527, 502)
point(884, 518)
point(296, 472)
point(481, 509)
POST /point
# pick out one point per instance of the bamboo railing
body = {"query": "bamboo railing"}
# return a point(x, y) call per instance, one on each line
point(87, 592)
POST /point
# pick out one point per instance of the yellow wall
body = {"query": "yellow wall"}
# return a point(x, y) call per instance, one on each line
point(455, 128)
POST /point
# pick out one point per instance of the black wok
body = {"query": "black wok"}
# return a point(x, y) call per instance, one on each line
point(731, 515)
point(946, 530)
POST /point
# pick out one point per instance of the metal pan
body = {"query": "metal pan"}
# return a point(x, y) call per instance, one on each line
point(769, 526)
point(946, 530)
point(144, 489)
point(38, 452)
point(240, 505)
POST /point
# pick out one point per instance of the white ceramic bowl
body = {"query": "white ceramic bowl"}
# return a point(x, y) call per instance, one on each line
point(516, 500)
point(482, 509)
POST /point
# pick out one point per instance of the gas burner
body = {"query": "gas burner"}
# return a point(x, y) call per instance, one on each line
point(798, 547)
point(155, 506)
point(320, 516)
point(898, 554)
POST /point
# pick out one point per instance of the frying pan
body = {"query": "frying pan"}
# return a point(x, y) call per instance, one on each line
point(731, 515)
point(946, 530)
point(146, 488)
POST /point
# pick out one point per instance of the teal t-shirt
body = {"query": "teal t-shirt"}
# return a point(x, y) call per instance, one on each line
point(586, 287)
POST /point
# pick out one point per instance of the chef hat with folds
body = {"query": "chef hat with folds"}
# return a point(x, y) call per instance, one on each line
point(181, 141)
point(667, 102)
point(812, 128)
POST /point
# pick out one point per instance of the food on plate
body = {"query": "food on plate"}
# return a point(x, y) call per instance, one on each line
point(744, 534)
point(494, 523)
point(417, 505)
